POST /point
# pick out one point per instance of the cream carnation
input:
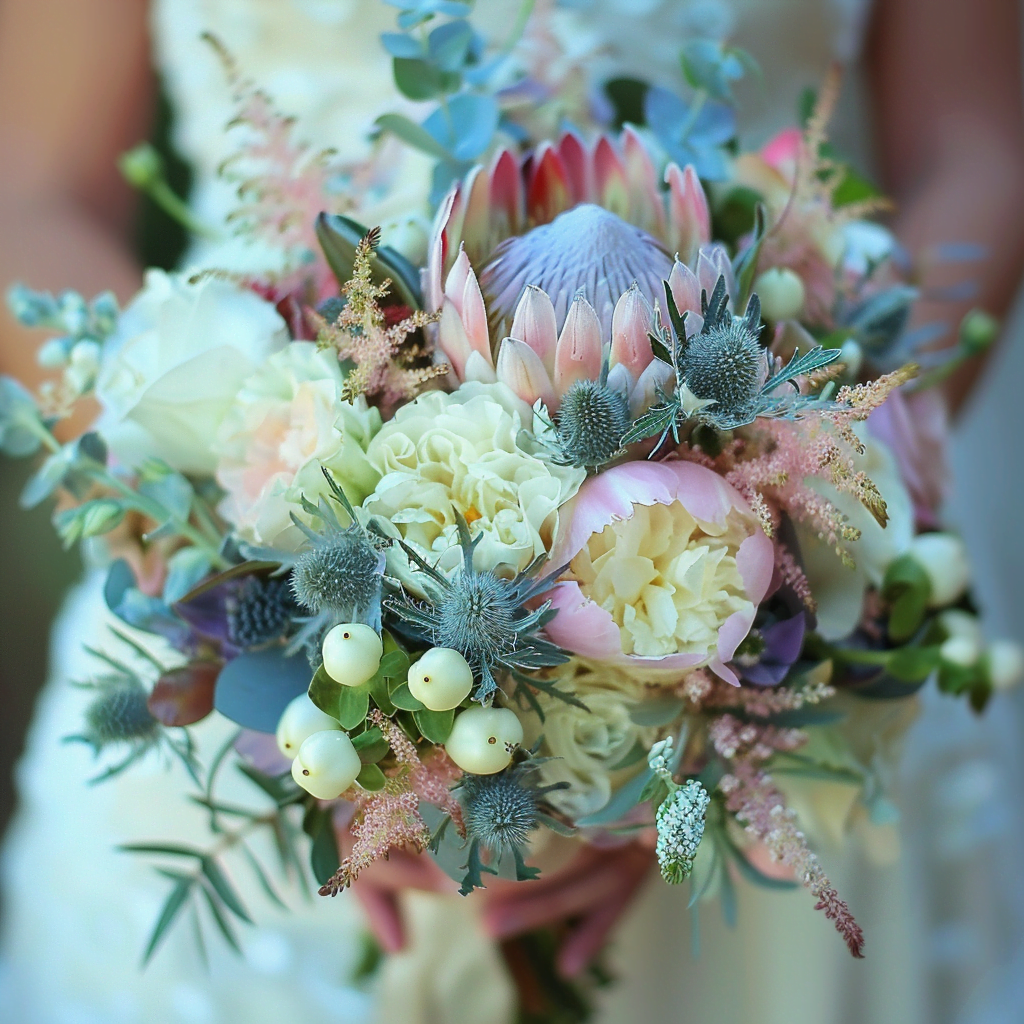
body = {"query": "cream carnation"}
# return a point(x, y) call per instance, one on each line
point(287, 422)
point(460, 452)
point(588, 744)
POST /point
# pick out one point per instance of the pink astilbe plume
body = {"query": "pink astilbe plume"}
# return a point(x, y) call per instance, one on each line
point(384, 357)
point(390, 818)
point(752, 796)
point(283, 184)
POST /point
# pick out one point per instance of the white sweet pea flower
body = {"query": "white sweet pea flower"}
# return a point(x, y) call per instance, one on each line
point(172, 367)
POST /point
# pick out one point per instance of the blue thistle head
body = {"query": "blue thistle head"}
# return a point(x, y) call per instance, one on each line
point(340, 571)
point(499, 810)
point(261, 612)
point(591, 421)
point(725, 362)
point(484, 617)
point(119, 713)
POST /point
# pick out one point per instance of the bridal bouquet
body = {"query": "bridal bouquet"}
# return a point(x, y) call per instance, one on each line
point(608, 510)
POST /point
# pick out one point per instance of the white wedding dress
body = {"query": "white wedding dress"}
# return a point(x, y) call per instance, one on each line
point(78, 913)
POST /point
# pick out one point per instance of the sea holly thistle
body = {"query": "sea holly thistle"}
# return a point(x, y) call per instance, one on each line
point(500, 812)
point(485, 618)
point(679, 818)
point(724, 375)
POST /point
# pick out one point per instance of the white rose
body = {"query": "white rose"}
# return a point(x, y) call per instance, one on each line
point(586, 745)
point(171, 369)
point(838, 589)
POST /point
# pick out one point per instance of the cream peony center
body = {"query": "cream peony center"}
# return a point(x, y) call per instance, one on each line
point(668, 581)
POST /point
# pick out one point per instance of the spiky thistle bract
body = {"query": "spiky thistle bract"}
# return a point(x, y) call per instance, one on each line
point(590, 424)
point(500, 812)
point(486, 618)
point(338, 574)
point(724, 375)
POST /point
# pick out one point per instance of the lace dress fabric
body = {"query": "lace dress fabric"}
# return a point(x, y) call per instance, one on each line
point(78, 913)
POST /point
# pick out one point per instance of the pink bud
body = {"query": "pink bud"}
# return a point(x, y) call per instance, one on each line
point(578, 352)
point(658, 375)
point(685, 288)
point(630, 323)
point(455, 282)
point(534, 322)
point(689, 216)
point(522, 370)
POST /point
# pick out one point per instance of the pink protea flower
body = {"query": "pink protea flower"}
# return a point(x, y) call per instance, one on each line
point(668, 565)
point(566, 219)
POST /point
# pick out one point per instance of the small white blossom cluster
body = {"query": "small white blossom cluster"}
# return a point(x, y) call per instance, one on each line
point(680, 821)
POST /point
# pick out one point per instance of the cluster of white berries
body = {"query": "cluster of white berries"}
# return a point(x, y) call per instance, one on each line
point(1001, 661)
point(325, 762)
point(680, 816)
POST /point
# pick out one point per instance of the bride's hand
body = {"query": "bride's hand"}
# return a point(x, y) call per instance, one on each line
point(589, 895)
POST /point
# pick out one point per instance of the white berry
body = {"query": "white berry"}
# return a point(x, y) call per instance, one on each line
point(1005, 664)
point(301, 719)
point(944, 560)
point(482, 739)
point(327, 764)
point(352, 653)
point(781, 293)
point(441, 679)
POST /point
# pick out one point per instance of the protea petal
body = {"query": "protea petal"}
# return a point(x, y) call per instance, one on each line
point(479, 367)
point(535, 324)
point(439, 246)
point(521, 369)
point(620, 379)
point(548, 192)
point(506, 195)
point(455, 282)
point(647, 209)
point(685, 288)
point(610, 175)
point(578, 353)
point(577, 168)
point(474, 316)
point(452, 338)
point(713, 263)
point(476, 224)
point(658, 376)
point(631, 321)
point(689, 216)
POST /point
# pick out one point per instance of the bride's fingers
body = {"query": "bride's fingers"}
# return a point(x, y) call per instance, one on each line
point(383, 916)
point(593, 878)
point(588, 937)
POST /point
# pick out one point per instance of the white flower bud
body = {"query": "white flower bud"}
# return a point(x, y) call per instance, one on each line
point(86, 356)
point(781, 293)
point(52, 354)
point(482, 739)
point(944, 559)
point(441, 680)
point(300, 720)
point(326, 765)
point(1005, 664)
point(957, 622)
point(851, 355)
point(960, 650)
point(352, 653)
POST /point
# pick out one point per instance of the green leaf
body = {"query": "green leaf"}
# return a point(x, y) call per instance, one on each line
point(402, 698)
point(436, 726)
point(413, 134)
point(623, 800)
point(753, 874)
point(323, 856)
point(745, 264)
point(906, 615)
point(421, 80)
point(656, 711)
point(370, 745)
point(912, 664)
point(281, 789)
point(638, 752)
point(176, 899)
point(371, 778)
point(378, 687)
point(655, 791)
point(222, 922)
point(348, 705)
point(224, 889)
point(170, 849)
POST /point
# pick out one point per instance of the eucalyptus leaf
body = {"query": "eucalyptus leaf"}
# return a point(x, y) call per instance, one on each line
point(254, 688)
point(448, 44)
point(420, 80)
point(413, 134)
point(622, 801)
point(186, 569)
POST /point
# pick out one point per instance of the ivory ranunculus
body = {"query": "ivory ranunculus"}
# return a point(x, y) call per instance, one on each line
point(460, 452)
point(286, 423)
point(668, 563)
point(586, 745)
point(172, 368)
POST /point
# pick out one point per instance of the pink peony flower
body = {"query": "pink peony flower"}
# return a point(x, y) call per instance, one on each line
point(669, 565)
